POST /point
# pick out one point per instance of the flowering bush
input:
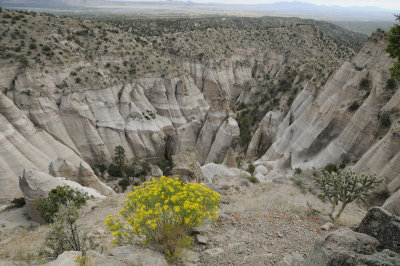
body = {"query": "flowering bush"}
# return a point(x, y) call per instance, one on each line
point(163, 211)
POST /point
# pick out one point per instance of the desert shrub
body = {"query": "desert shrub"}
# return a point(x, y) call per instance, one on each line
point(78, 80)
point(66, 234)
point(254, 180)
point(166, 165)
point(58, 196)
point(331, 167)
point(300, 184)
point(390, 84)
point(162, 212)
point(344, 187)
point(298, 171)
point(124, 183)
point(251, 169)
point(384, 120)
point(354, 106)
point(18, 202)
point(114, 170)
point(365, 83)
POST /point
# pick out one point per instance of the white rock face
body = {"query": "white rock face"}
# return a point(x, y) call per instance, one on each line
point(212, 170)
point(319, 129)
point(83, 175)
point(35, 185)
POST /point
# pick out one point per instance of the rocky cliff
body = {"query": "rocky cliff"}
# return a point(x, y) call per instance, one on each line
point(353, 117)
point(76, 89)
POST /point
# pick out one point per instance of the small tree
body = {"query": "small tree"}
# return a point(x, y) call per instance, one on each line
point(393, 48)
point(251, 169)
point(120, 157)
point(344, 187)
point(65, 234)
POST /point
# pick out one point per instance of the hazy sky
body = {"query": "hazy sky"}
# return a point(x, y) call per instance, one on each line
point(390, 4)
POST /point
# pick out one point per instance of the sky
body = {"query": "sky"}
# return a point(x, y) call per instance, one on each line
point(389, 4)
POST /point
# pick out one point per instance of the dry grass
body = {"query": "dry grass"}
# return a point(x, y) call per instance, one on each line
point(23, 244)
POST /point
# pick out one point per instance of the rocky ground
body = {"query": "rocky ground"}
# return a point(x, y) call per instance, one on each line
point(260, 224)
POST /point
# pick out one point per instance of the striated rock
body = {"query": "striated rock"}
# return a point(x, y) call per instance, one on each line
point(35, 185)
point(383, 226)
point(186, 167)
point(227, 136)
point(62, 167)
point(320, 129)
point(87, 178)
point(22, 145)
point(84, 175)
point(230, 159)
point(346, 247)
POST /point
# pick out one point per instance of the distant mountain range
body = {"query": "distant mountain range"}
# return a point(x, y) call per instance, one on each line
point(299, 9)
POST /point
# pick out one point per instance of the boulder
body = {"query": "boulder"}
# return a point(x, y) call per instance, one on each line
point(383, 226)
point(87, 178)
point(186, 167)
point(211, 170)
point(346, 247)
point(133, 255)
point(392, 204)
point(292, 259)
point(66, 259)
point(84, 175)
point(156, 171)
point(35, 185)
point(64, 168)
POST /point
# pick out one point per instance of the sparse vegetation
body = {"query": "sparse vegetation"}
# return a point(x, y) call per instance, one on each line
point(298, 182)
point(162, 212)
point(254, 180)
point(354, 106)
point(65, 234)
point(18, 202)
point(58, 197)
point(365, 84)
point(331, 168)
point(393, 48)
point(344, 187)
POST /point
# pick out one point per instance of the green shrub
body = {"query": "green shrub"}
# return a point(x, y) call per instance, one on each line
point(254, 180)
point(300, 184)
point(66, 234)
point(114, 170)
point(331, 167)
point(163, 212)
point(18, 202)
point(354, 106)
point(390, 84)
point(251, 169)
point(58, 196)
point(365, 84)
point(124, 183)
point(298, 171)
point(384, 120)
point(78, 80)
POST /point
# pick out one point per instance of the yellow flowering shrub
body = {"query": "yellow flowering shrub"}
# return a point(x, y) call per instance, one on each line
point(163, 211)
